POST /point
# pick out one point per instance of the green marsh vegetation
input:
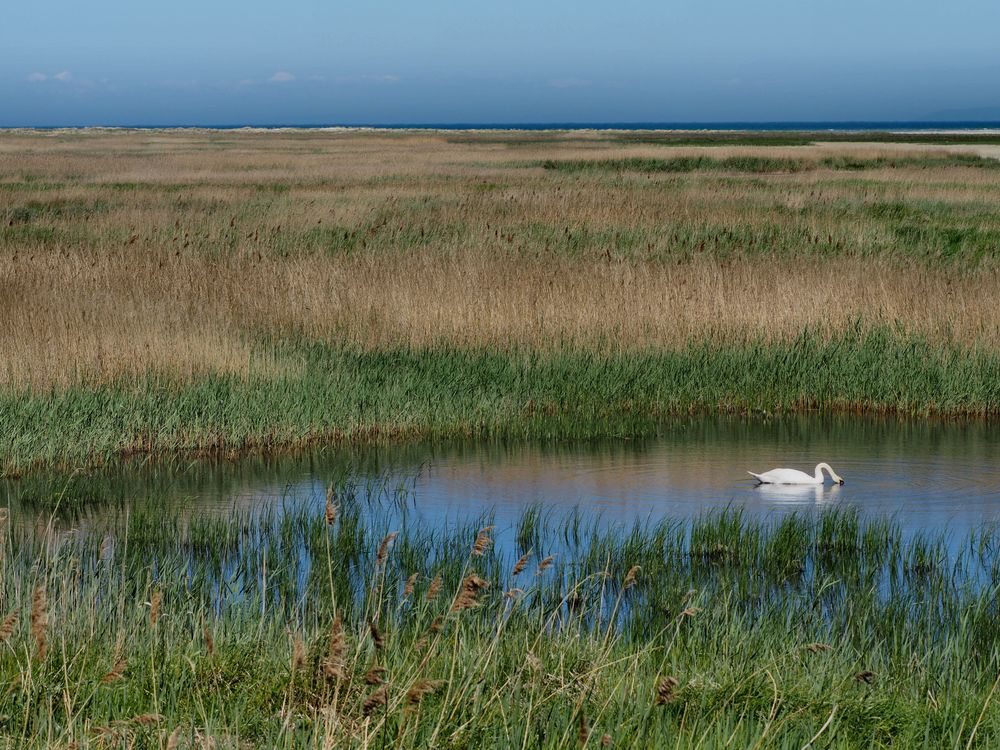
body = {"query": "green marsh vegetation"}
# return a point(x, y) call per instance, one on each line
point(222, 291)
point(322, 627)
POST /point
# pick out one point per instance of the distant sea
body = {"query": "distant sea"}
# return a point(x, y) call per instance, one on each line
point(861, 125)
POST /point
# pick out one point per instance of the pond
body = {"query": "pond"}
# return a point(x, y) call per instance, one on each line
point(929, 476)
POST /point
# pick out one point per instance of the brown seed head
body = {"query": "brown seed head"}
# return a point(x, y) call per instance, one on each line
point(605, 740)
point(546, 563)
point(521, 562)
point(332, 509)
point(422, 688)
point(147, 719)
point(174, 740)
point(435, 588)
point(375, 701)
point(7, 626)
point(154, 607)
point(815, 648)
point(298, 653)
point(209, 640)
point(665, 690)
point(377, 638)
point(410, 583)
point(583, 733)
point(39, 620)
point(375, 675)
point(383, 548)
point(116, 672)
point(483, 541)
point(333, 665)
point(866, 677)
point(630, 577)
point(468, 596)
point(690, 611)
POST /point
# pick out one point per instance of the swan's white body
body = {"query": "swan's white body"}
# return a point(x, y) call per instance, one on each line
point(794, 476)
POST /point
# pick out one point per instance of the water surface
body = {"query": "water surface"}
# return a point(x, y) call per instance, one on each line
point(929, 475)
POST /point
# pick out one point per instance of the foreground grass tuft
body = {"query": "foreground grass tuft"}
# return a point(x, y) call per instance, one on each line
point(296, 630)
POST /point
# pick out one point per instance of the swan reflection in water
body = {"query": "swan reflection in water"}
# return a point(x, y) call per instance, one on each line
point(797, 494)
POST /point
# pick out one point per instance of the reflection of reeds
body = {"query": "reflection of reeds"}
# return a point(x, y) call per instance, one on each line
point(570, 656)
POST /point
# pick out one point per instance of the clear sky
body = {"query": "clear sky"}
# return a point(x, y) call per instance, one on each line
point(187, 62)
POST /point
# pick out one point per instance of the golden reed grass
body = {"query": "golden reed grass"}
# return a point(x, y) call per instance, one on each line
point(120, 256)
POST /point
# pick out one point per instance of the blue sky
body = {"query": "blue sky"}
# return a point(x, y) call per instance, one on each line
point(190, 62)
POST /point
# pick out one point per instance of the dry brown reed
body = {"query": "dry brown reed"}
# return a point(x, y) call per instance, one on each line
point(375, 701)
point(583, 730)
point(39, 620)
point(209, 640)
point(116, 673)
point(333, 664)
point(332, 509)
point(7, 626)
point(298, 658)
point(101, 282)
point(630, 577)
point(411, 582)
point(378, 639)
point(545, 564)
point(522, 561)
point(375, 675)
point(434, 588)
point(155, 602)
point(665, 690)
point(468, 594)
point(383, 548)
point(483, 541)
point(421, 689)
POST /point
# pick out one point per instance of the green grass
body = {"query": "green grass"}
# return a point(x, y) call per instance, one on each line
point(337, 394)
point(775, 632)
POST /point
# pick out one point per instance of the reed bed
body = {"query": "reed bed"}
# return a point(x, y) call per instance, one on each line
point(312, 628)
point(143, 271)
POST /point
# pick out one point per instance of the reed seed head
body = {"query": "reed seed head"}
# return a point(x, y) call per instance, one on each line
point(483, 541)
point(377, 638)
point(375, 675)
point(435, 588)
point(333, 665)
point(375, 701)
point(298, 653)
point(209, 640)
point(815, 648)
point(546, 563)
point(39, 620)
point(116, 673)
point(583, 733)
point(665, 690)
point(468, 595)
point(866, 677)
point(605, 740)
point(383, 548)
point(154, 607)
point(410, 583)
point(332, 509)
point(522, 561)
point(422, 688)
point(630, 577)
point(7, 626)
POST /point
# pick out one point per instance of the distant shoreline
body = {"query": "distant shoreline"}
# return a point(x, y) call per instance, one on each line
point(900, 127)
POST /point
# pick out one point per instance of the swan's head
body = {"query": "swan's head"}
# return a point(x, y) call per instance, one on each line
point(833, 475)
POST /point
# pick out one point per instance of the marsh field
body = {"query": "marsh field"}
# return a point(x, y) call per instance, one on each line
point(170, 295)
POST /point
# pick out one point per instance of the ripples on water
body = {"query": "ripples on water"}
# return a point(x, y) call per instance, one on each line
point(928, 475)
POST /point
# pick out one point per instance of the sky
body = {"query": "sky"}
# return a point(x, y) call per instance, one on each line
point(220, 62)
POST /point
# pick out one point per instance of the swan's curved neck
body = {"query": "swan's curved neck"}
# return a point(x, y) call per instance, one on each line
point(819, 472)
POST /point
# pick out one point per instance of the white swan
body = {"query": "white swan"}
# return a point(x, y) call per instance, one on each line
point(794, 476)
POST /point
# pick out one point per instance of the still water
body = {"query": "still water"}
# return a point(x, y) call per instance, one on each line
point(930, 476)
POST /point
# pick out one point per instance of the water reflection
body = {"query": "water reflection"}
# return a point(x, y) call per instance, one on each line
point(929, 475)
